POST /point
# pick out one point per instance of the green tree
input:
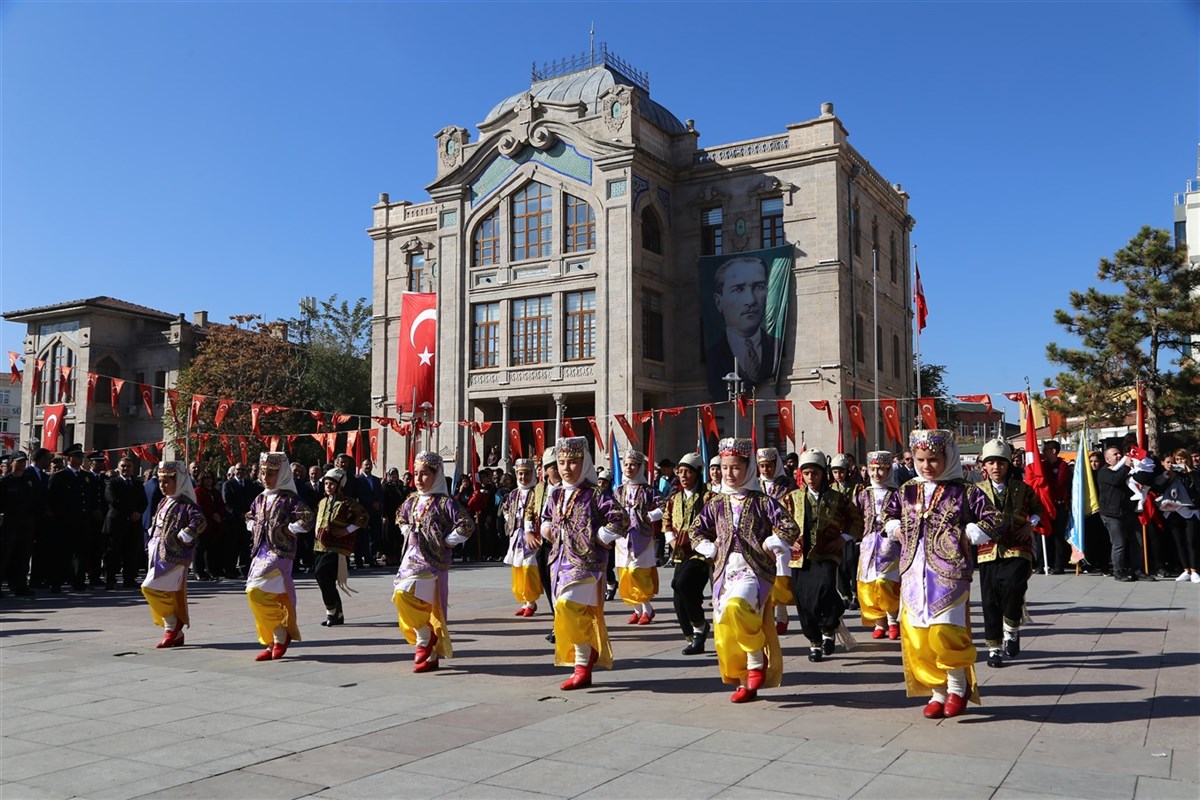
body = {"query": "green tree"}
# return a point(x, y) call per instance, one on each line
point(933, 384)
point(1133, 335)
point(335, 341)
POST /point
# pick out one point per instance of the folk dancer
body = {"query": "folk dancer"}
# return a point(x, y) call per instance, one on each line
point(522, 553)
point(692, 570)
point(1006, 563)
point(878, 572)
point(433, 523)
point(276, 518)
point(742, 530)
point(177, 523)
point(637, 566)
point(827, 518)
point(580, 523)
point(339, 517)
point(843, 477)
point(776, 483)
point(533, 521)
point(933, 520)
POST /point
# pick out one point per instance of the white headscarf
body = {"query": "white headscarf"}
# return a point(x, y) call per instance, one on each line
point(573, 445)
point(942, 441)
point(279, 461)
point(525, 463)
point(780, 468)
point(439, 473)
point(636, 456)
point(183, 481)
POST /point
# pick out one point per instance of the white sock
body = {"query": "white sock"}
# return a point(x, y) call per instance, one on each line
point(781, 613)
point(1009, 631)
point(878, 626)
point(583, 654)
point(280, 634)
point(755, 660)
point(891, 619)
point(169, 622)
point(423, 636)
point(939, 694)
point(647, 609)
point(956, 682)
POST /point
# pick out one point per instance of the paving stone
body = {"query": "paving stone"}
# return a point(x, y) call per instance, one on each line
point(331, 765)
point(237, 784)
point(95, 776)
point(889, 787)
point(467, 764)
point(42, 761)
point(720, 768)
point(808, 780)
point(661, 787)
point(395, 783)
point(555, 777)
point(1159, 789)
point(751, 745)
point(418, 738)
point(1069, 781)
point(933, 766)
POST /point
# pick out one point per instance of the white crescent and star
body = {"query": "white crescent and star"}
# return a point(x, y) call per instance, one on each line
point(427, 314)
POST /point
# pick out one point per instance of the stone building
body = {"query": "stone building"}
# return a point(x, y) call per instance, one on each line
point(113, 339)
point(563, 244)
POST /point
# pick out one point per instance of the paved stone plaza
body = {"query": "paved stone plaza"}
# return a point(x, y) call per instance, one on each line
point(1102, 703)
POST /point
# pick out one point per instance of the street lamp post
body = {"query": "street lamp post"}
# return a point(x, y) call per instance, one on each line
point(736, 385)
point(427, 416)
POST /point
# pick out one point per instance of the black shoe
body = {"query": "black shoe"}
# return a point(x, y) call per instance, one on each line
point(331, 621)
point(204, 576)
point(696, 646)
point(611, 593)
point(815, 654)
point(1128, 577)
point(550, 637)
point(1141, 576)
point(994, 659)
point(1012, 646)
point(1057, 571)
point(827, 645)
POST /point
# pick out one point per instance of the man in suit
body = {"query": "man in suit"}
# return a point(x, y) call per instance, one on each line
point(97, 481)
point(370, 496)
point(741, 299)
point(124, 549)
point(67, 499)
point(238, 493)
point(18, 504)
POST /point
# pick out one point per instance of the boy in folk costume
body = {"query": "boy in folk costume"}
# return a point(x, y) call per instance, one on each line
point(878, 571)
point(637, 565)
point(533, 519)
point(1006, 563)
point(432, 523)
point(776, 483)
point(580, 522)
point(338, 517)
point(827, 519)
point(692, 570)
point(742, 530)
point(276, 518)
point(933, 520)
point(843, 477)
point(522, 548)
point(177, 523)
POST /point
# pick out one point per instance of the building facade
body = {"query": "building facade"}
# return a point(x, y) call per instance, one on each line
point(563, 246)
point(112, 339)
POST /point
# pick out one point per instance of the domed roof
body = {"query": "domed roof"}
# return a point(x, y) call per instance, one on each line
point(586, 86)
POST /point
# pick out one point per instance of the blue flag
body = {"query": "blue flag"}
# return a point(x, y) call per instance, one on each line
point(615, 460)
point(1084, 500)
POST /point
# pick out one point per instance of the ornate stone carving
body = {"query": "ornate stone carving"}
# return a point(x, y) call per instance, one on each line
point(483, 379)
point(416, 245)
point(616, 107)
point(527, 128)
point(452, 141)
point(772, 187)
point(579, 371)
point(710, 196)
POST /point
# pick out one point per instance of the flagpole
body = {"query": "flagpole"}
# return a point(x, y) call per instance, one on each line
point(877, 334)
point(1029, 426)
point(916, 322)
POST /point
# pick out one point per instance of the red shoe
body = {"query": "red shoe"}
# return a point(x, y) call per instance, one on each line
point(423, 652)
point(265, 655)
point(644, 619)
point(521, 612)
point(278, 648)
point(531, 610)
point(754, 679)
point(893, 632)
point(634, 619)
point(743, 695)
point(934, 710)
point(173, 637)
point(581, 679)
point(781, 628)
point(955, 705)
point(878, 633)
point(428, 665)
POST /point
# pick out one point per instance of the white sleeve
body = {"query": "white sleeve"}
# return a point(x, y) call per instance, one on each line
point(776, 545)
point(976, 535)
point(655, 515)
point(186, 537)
point(455, 539)
point(706, 548)
point(607, 535)
point(297, 527)
point(669, 536)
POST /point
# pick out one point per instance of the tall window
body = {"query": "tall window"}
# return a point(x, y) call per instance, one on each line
point(710, 232)
point(879, 348)
point(485, 244)
point(485, 335)
point(580, 231)
point(895, 355)
point(652, 326)
point(855, 230)
point(875, 235)
point(416, 271)
point(771, 211)
point(858, 339)
point(160, 383)
point(59, 355)
point(581, 325)
point(892, 255)
point(531, 216)
point(651, 231)
point(531, 327)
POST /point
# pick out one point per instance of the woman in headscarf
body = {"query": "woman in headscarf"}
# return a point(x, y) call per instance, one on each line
point(522, 546)
point(276, 518)
point(176, 524)
point(743, 530)
point(338, 517)
point(933, 521)
point(580, 522)
point(637, 567)
point(432, 524)
point(878, 573)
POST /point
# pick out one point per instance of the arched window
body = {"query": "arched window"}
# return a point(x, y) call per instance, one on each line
point(106, 370)
point(651, 231)
point(57, 356)
point(579, 230)
point(485, 243)
point(532, 211)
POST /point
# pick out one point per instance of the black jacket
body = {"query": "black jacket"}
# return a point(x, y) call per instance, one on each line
point(124, 499)
point(1114, 493)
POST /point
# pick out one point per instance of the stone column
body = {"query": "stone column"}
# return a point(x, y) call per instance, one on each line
point(558, 414)
point(504, 461)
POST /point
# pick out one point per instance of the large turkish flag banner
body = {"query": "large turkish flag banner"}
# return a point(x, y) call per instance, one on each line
point(52, 420)
point(417, 350)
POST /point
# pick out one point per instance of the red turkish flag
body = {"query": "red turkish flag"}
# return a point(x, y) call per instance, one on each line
point(669, 412)
point(919, 300)
point(483, 427)
point(92, 378)
point(273, 444)
point(708, 418)
point(194, 410)
point(38, 366)
point(1035, 474)
point(743, 405)
point(514, 439)
point(373, 444)
point(256, 410)
point(928, 414)
point(244, 448)
point(986, 399)
point(173, 402)
point(204, 437)
point(891, 420)
point(228, 450)
point(107, 461)
point(596, 432)
point(630, 435)
point(567, 428)
point(12, 366)
point(417, 350)
point(52, 422)
point(330, 445)
point(319, 416)
point(223, 407)
point(1054, 419)
point(787, 423)
point(290, 441)
point(10, 442)
point(1016, 397)
point(858, 425)
point(352, 444)
point(64, 384)
point(823, 405)
point(117, 385)
point(339, 419)
point(383, 422)
point(147, 395)
point(539, 438)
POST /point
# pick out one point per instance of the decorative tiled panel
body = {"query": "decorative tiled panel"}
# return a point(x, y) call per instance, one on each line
point(560, 157)
point(617, 188)
point(640, 187)
point(449, 219)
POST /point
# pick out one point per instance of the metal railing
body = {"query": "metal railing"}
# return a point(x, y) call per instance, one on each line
point(588, 59)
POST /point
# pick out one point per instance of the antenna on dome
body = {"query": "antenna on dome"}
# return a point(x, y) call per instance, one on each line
point(592, 42)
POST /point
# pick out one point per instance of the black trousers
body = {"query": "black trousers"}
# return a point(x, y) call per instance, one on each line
point(326, 574)
point(1185, 530)
point(847, 573)
point(1002, 586)
point(208, 553)
point(818, 604)
point(124, 551)
point(543, 562)
point(688, 582)
point(83, 545)
point(16, 544)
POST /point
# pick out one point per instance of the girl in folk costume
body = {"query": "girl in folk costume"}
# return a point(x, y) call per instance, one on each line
point(1006, 563)
point(776, 483)
point(338, 517)
point(522, 546)
point(177, 523)
point(878, 571)
point(692, 570)
point(742, 530)
point(581, 523)
point(827, 519)
point(933, 520)
point(637, 567)
point(276, 518)
point(432, 524)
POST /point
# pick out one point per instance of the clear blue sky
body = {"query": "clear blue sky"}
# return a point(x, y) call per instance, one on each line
point(225, 156)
